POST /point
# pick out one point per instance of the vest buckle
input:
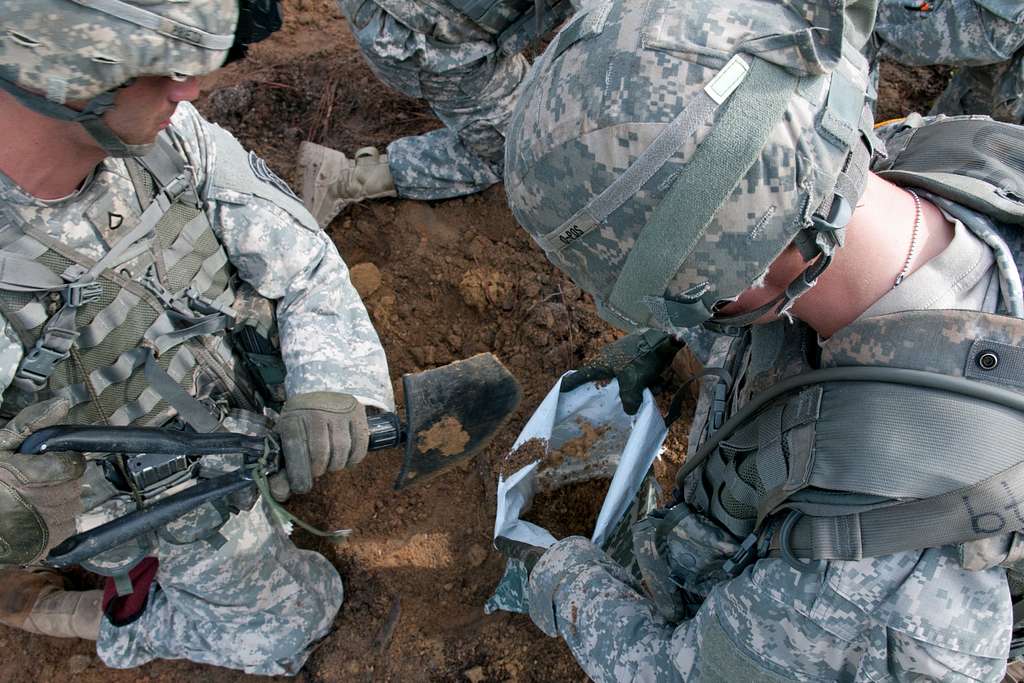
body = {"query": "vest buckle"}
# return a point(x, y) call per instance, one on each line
point(78, 294)
point(753, 547)
point(51, 349)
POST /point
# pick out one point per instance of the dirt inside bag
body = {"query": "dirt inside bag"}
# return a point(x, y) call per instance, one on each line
point(581, 466)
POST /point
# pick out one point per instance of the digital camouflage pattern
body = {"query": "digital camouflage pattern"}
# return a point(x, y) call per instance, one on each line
point(327, 340)
point(88, 52)
point(257, 603)
point(610, 84)
point(915, 615)
point(433, 52)
point(938, 614)
point(956, 32)
point(982, 38)
point(991, 90)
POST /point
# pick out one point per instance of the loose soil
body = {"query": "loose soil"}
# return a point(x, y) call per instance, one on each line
point(442, 281)
point(577, 448)
point(570, 510)
point(531, 451)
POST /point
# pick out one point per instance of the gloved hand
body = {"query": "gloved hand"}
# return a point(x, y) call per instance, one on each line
point(636, 361)
point(39, 494)
point(518, 550)
point(320, 431)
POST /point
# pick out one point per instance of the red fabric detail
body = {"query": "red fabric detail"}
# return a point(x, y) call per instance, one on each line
point(124, 609)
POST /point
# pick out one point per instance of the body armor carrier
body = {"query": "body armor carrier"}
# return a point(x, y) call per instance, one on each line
point(141, 337)
point(901, 432)
point(129, 347)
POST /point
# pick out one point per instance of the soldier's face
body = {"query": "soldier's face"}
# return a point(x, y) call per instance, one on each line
point(145, 107)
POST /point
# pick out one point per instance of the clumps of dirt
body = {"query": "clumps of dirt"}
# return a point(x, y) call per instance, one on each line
point(366, 278)
point(570, 510)
point(446, 436)
point(530, 452)
point(484, 287)
point(578, 448)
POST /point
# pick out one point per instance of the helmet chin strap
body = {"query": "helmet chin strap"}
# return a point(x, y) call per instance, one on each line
point(734, 325)
point(90, 118)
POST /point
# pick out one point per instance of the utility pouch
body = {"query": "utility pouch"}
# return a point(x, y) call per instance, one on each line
point(262, 358)
point(255, 337)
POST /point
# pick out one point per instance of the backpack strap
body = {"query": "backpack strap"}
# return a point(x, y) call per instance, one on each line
point(971, 160)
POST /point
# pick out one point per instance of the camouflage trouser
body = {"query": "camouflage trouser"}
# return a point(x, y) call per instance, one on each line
point(257, 603)
point(996, 90)
point(468, 83)
point(911, 616)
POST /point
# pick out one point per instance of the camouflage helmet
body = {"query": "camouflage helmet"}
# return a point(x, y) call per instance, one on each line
point(58, 51)
point(665, 153)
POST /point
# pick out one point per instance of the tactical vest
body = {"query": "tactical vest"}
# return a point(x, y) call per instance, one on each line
point(128, 347)
point(871, 460)
point(902, 431)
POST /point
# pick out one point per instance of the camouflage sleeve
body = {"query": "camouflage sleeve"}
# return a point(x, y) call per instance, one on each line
point(906, 617)
point(11, 353)
point(327, 340)
point(614, 632)
point(955, 32)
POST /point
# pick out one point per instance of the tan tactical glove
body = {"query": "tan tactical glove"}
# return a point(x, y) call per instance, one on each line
point(320, 431)
point(39, 494)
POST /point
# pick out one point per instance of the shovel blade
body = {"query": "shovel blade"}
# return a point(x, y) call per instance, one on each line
point(453, 412)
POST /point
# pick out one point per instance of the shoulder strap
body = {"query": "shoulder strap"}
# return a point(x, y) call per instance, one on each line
point(971, 160)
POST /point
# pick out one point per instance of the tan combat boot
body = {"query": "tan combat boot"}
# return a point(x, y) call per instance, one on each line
point(35, 601)
point(1014, 672)
point(331, 181)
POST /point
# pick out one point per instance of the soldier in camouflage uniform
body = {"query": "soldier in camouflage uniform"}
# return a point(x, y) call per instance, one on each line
point(138, 243)
point(462, 57)
point(700, 163)
point(983, 39)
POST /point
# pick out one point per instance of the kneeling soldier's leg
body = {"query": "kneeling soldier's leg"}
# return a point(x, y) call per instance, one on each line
point(257, 603)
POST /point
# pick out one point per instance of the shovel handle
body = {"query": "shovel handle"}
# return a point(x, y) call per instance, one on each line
point(385, 431)
point(81, 547)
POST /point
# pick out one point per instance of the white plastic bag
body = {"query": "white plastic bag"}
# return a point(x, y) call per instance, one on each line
point(624, 451)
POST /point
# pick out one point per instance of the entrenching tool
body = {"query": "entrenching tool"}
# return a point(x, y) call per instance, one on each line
point(452, 412)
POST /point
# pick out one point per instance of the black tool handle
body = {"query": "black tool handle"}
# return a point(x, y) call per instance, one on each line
point(104, 439)
point(81, 547)
point(385, 432)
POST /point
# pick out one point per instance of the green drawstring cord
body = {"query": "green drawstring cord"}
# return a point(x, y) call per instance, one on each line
point(283, 516)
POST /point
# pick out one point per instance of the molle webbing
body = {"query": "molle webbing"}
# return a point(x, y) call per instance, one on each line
point(124, 352)
point(801, 454)
point(874, 460)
